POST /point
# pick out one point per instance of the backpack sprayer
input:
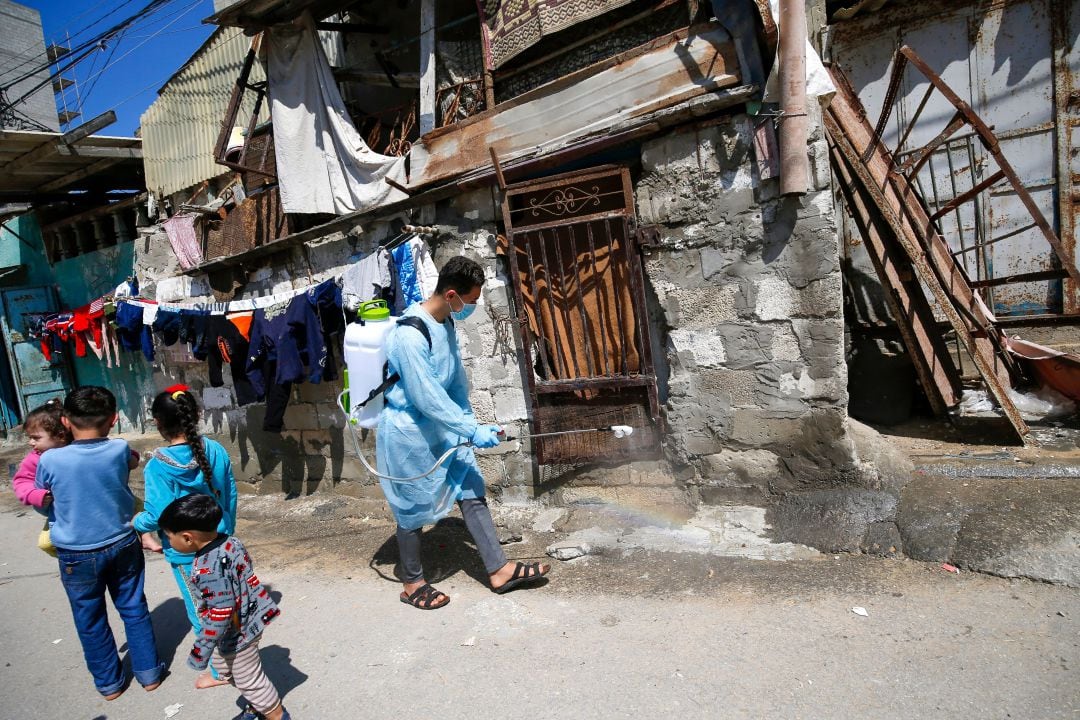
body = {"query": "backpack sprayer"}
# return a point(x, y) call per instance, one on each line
point(367, 379)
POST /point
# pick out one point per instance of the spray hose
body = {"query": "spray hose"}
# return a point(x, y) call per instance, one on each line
point(356, 448)
point(620, 431)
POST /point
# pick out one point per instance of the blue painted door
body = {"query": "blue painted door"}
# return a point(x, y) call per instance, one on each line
point(36, 379)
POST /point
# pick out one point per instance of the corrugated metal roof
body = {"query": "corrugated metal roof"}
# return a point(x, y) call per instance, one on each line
point(180, 128)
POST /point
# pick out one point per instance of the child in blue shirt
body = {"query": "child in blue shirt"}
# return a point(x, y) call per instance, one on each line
point(96, 546)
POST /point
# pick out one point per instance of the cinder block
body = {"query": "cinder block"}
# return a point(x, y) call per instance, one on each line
point(510, 405)
point(757, 428)
point(700, 348)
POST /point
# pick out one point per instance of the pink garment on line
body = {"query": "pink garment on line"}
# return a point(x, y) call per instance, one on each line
point(186, 247)
point(23, 482)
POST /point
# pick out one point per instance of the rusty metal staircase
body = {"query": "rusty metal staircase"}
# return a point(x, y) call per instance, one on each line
point(908, 249)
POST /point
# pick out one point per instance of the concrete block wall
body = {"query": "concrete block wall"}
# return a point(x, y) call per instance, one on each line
point(750, 288)
point(744, 299)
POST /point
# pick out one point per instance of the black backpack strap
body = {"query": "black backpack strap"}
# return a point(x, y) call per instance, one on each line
point(389, 380)
point(417, 324)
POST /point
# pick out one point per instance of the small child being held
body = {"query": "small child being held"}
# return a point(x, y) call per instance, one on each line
point(96, 546)
point(44, 431)
point(233, 606)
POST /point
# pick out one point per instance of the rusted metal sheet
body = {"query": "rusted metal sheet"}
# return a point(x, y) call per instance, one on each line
point(1066, 23)
point(1000, 58)
point(1058, 370)
point(899, 203)
point(667, 71)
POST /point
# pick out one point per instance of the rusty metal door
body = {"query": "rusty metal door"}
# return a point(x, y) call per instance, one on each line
point(1001, 61)
point(579, 291)
point(36, 379)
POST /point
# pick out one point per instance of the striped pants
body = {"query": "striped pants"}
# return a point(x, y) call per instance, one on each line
point(244, 671)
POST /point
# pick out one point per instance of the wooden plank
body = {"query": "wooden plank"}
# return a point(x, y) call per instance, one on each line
point(49, 147)
point(426, 121)
point(100, 151)
point(907, 303)
point(77, 175)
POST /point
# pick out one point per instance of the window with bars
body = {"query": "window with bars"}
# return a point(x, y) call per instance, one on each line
point(580, 296)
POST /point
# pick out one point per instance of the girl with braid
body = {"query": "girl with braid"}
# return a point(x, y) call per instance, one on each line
point(189, 464)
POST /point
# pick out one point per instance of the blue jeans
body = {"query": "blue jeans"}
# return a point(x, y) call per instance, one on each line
point(120, 569)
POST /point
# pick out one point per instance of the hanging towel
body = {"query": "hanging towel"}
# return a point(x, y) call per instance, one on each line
point(426, 272)
point(323, 165)
point(186, 247)
point(366, 280)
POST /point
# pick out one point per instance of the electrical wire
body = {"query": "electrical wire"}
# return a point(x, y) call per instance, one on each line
point(109, 63)
point(30, 48)
point(83, 49)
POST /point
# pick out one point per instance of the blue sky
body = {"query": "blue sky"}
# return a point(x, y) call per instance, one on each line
point(143, 58)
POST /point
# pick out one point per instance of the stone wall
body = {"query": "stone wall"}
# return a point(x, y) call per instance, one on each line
point(744, 299)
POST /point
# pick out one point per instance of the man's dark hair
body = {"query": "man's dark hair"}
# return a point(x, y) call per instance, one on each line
point(192, 512)
point(461, 275)
point(90, 407)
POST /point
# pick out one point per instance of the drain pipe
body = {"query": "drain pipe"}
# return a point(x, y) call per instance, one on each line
point(794, 160)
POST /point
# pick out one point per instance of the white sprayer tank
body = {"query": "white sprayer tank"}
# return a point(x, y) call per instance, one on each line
point(365, 356)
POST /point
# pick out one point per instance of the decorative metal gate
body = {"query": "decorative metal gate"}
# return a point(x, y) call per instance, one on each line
point(579, 290)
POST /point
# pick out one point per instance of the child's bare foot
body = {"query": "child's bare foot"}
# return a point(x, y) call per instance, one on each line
point(152, 686)
point(206, 680)
point(113, 696)
point(151, 543)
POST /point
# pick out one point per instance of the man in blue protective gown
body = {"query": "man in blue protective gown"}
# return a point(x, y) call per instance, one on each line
point(426, 413)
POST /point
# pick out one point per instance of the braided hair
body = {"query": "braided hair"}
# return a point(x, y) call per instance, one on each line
point(47, 417)
point(177, 415)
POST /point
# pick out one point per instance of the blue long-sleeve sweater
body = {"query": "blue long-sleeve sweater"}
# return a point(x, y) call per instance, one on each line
point(173, 473)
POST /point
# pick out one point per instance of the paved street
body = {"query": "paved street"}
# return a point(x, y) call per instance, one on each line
point(645, 635)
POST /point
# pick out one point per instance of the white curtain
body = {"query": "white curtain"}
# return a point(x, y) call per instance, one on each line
point(323, 165)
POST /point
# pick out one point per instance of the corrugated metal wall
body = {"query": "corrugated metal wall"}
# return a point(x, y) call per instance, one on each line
point(180, 128)
point(1000, 58)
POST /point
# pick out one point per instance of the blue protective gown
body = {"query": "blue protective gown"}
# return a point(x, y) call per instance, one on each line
point(425, 414)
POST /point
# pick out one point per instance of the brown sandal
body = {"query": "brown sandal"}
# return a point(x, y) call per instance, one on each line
point(424, 598)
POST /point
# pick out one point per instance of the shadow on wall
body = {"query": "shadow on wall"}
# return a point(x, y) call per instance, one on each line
point(298, 461)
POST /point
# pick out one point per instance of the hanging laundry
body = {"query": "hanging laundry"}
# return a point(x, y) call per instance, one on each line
point(426, 272)
point(193, 330)
point(368, 279)
point(409, 291)
point(323, 164)
point(131, 332)
point(185, 245)
point(110, 345)
point(82, 324)
point(284, 338)
point(228, 345)
point(327, 301)
point(167, 322)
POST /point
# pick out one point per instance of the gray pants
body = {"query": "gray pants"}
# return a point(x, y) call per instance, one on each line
point(481, 527)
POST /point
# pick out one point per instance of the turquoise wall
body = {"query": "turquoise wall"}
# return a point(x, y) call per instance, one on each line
point(79, 280)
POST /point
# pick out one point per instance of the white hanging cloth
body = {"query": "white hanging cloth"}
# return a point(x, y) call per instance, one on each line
point(323, 165)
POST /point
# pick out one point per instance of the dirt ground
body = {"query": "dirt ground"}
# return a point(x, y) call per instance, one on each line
point(631, 633)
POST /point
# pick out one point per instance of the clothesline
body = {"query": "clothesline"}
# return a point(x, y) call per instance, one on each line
point(218, 308)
